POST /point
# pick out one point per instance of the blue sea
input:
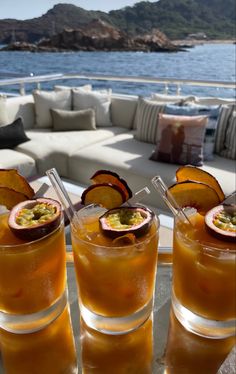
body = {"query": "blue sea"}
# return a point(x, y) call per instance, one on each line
point(203, 62)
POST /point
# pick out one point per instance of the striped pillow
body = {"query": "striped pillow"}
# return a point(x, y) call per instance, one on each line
point(230, 138)
point(222, 125)
point(147, 120)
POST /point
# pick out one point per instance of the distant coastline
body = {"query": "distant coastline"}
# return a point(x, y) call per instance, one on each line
point(194, 42)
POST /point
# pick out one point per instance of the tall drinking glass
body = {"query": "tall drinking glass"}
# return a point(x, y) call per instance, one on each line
point(204, 274)
point(115, 279)
point(32, 278)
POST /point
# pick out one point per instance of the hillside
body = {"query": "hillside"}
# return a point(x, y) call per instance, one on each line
point(176, 18)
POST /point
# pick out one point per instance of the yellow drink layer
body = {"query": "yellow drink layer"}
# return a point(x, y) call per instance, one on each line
point(204, 277)
point(32, 274)
point(113, 279)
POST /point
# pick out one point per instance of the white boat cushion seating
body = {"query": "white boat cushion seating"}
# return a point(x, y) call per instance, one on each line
point(21, 106)
point(212, 111)
point(3, 112)
point(53, 148)
point(13, 134)
point(46, 100)
point(11, 159)
point(188, 99)
point(180, 139)
point(147, 120)
point(68, 120)
point(123, 110)
point(96, 100)
point(226, 112)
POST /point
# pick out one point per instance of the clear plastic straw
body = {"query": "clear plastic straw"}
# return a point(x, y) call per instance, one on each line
point(62, 194)
point(169, 199)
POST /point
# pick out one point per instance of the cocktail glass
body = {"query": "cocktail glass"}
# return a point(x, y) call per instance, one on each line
point(204, 273)
point(32, 278)
point(48, 350)
point(115, 279)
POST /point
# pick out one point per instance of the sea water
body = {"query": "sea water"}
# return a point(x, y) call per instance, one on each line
point(214, 62)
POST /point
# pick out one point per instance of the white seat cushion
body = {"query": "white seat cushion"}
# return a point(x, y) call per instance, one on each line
point(11, 159)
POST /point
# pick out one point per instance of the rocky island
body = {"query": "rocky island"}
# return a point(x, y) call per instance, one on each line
point(98, 35)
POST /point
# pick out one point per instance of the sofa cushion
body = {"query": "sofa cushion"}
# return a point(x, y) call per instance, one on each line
point(21, 106)
point(96, 100)
point(123, 109)
point(68, 120)
point(147, 120)
point(11, 159)
point(212, 111)
point(180, 139)
point(13, 134)
point(46, 100)
point(129, 158)
point(52, 149)
point(3, 111)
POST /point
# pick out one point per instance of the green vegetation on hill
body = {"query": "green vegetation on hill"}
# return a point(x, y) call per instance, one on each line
point(178, 18)
point(175, 18)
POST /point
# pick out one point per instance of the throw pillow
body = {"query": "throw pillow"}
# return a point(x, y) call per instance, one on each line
point(65, 120)
point(222, 124)
point(13, 134)
point(3, 111)
point(212, 111)
point(180, 139)
point(46, 100)
point(98, 101)
point(147, 120)
point(229, 150)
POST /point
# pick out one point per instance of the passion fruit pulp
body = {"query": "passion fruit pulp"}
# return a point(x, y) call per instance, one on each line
point(221, 222)
point(33, 219)
point(126, 220)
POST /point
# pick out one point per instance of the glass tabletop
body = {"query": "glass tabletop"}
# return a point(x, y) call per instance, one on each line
point(161, 345)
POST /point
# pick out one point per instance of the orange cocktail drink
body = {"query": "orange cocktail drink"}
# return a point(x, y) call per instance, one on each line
point(32, 273)
point(204, 271)
point(49, 350)
point(115, 277)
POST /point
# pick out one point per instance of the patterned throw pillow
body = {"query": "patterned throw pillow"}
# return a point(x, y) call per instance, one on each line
point(180, 139)
point(212, 111)
point(147, 120)
point(229, 150)
point(223, 123)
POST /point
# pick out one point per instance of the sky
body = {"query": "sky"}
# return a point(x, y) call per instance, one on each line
point(26, 9)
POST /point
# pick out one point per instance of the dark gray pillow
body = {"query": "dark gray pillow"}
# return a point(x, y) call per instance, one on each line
point(13, 134)
point(69, 120)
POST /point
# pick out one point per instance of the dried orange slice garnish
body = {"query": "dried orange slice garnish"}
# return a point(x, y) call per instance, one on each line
point(192, 173)
point(195, 195)
point(105, 194)
point(9, 197)
point(13, 180)
point(107, 176)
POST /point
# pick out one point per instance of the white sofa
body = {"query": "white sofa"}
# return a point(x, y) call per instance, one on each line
point(78, 154)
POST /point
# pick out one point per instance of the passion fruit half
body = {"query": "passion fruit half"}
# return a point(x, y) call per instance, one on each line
point(221, 222)
point(126, 220)
point(33, 219)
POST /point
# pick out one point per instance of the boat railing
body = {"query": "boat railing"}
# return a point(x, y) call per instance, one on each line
point(166, 82)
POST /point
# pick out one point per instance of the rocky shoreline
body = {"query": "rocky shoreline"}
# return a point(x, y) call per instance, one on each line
point(99, 36)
